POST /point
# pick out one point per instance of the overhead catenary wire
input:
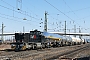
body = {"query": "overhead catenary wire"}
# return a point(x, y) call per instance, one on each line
point(57, 9)
point(21, 10)
point(72, 10)
point(15, 20)
point(12, 16)
point(15, 11)
point(78, 9)
point(23, 13)
point(60, 11)
point(18, 11)
point(7, 17)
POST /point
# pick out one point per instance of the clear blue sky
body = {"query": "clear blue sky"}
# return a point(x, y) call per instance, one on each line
point(74, 12)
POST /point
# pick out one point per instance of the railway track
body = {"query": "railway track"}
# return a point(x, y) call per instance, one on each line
point(72, 55)
point(40, 54)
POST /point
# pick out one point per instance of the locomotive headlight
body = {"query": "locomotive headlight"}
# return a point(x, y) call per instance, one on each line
point(48, 43)
point(13, 45)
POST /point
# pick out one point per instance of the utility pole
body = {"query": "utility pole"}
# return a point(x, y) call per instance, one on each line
point(65, 27)
point(60, 26)
point(74, 30)
point(79, 32)
point(23, 29)
point(45, 23)
point(2, 31)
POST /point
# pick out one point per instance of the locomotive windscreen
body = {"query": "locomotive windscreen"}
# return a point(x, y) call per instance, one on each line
point(19, 37)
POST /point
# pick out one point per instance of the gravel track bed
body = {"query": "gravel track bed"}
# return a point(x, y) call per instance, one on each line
point(78, 53)
point(37, 54)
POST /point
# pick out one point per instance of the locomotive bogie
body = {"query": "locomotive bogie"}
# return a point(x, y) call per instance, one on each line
point(18, 46)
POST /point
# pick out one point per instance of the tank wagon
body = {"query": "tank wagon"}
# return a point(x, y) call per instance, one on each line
point(38, 40)
point(77, 41)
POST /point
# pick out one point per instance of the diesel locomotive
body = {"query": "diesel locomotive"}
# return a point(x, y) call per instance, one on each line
point(32, 40)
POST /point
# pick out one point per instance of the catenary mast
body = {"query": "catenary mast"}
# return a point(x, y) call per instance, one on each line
point(45, 23)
